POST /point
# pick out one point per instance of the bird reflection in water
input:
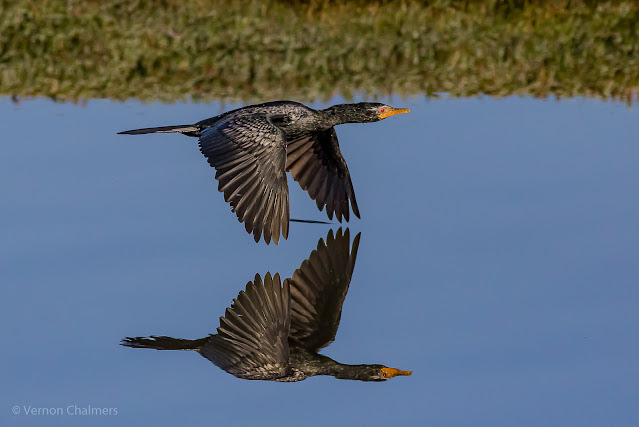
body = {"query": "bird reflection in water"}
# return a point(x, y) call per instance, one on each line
point(252, 148)
point(273, 331)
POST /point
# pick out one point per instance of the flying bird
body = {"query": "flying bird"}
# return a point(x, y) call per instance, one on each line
point(252, 148)
point(274, 331)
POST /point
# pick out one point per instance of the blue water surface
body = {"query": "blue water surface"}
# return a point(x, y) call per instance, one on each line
point(498, 261)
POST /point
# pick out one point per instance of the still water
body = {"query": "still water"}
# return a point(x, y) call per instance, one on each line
point(497, 261)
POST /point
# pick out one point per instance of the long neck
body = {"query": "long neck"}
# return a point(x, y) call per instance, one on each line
point(351, 372)
point(318, 364)
point(340, 114)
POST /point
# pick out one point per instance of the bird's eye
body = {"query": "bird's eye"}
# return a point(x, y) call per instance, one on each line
point(383, 373)
point(382, 110)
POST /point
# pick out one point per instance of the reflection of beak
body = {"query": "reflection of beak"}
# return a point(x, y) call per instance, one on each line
point(391, 112)
point(392, 372)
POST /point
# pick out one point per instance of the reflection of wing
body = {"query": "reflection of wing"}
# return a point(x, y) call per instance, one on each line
point(318, 290)
point(251, 342)
point(249, 156)
point(317, 164)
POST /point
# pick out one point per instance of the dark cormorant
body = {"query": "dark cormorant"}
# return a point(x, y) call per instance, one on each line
point(251, 149)
point(274, 332)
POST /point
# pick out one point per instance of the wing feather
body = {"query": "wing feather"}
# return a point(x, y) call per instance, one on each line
point(316, 163)
point(249, 155)
point(251, 342)
point(318, 290)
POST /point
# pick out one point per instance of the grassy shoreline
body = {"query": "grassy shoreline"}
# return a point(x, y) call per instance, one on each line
point(256, 50)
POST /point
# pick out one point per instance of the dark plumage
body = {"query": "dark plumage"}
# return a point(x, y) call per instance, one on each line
point(274, 332)
point(251, 149)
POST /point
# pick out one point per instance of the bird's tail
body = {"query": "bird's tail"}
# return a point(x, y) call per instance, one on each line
point(163, 343)
point(162, 129)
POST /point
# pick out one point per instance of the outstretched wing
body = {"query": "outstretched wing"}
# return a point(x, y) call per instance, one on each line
point(251, 342)
point(318, 289)
point(316, 163)
point(248, 153)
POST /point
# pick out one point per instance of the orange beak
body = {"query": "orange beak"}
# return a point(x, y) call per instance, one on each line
point(392, 372)
point(392, 111)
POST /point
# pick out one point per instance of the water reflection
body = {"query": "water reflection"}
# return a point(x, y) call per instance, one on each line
point(499, 256)
point(274, 331)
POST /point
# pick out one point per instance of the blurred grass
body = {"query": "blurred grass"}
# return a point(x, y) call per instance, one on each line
point(256, 50)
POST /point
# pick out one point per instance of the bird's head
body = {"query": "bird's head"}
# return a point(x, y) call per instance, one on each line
point(363, 112)
point(374, 111)
point(383, 373)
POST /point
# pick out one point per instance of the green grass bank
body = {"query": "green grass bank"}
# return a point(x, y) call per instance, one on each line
point(257, 50)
